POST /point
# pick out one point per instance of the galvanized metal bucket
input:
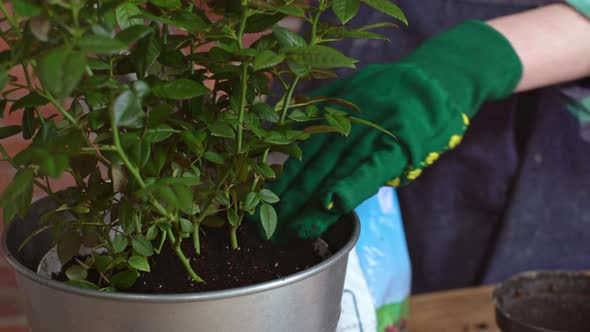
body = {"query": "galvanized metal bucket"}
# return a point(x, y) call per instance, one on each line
point(308, 301)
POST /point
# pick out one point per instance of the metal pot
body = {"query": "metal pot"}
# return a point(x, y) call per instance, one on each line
point(544, 301)
point(308, 301)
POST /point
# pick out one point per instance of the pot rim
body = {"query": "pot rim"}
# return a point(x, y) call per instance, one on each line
point(501, 310)
point(184, 297)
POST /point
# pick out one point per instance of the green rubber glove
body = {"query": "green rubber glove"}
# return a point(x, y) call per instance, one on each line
point(426, 100)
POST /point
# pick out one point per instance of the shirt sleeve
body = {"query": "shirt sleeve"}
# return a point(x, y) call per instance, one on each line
point(583, 6)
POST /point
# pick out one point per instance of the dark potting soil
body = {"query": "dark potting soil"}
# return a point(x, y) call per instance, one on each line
point(254, 262)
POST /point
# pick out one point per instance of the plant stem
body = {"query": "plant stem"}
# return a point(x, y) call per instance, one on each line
point(196, 238)
point(117, 141)
point(287, 99)
point(314, 27)
point(10, 19)
point(162, 240)
point(244, 89)
point(63, 112)
point(31, 88)
point(233, 236)
point(243, 21)
point(185, 262)
point(134, 171)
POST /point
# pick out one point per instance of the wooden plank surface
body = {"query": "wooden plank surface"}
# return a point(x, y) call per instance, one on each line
point(464, 310)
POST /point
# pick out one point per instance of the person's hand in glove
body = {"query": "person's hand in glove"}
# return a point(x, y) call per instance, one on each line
point(426, 100)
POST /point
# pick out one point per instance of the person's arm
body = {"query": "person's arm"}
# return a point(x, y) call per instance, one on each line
point(552, 42)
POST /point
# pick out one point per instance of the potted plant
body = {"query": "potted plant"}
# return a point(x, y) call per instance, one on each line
point(160, 115)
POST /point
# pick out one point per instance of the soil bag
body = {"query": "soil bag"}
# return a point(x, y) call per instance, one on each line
point(378, 276)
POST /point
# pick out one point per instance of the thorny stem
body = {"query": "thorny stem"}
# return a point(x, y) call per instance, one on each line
point(183, 259)
point(134, 171)
point(244, 89)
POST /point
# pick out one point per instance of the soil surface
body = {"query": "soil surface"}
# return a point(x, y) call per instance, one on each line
point(254, 262)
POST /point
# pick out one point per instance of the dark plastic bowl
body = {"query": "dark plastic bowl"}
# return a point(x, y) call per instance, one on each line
point(544, 301)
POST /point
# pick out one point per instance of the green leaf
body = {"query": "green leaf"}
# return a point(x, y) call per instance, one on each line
point(8, 131)
point(292, 150)
point(318, 56)
point(61, 70)
point(68, 246)
point(287, 38)
point(177, 195)
point(124, 279)
point(180, 89)
point(377, 25)
point(340, 122)
point(102, 262)
point(345, 9)
point(76, 272)
point(127, 111)
point(298, 115)
point(142, 246)
point(292, 10)
point(119, 243)
point(96, 64)
point(233, 218)
point(139, 263)
point(387, 7)
point(33, 99)
point(221, 129)
point(168, 4)
point(84, 165)
point(134, 33)
point(186, 226)
point(126, 214)
point(29, 122)
point(268, 218)
point(265, 112)
point(362, 35)
point(268, 196)
point(26, 8)
point(214, 157)
point(82, 284)
point(159, 114)
point(251, 201)
point(101, 45)
point(127, 15)
point(146, 52)
point(16, 198)
point(265, 170)
point(267, 59)
point(152, 233)
point(320, 129)
point(371, 124)
point(3, 82)
point(181, 19)
point(262, 22)
point(160, 133)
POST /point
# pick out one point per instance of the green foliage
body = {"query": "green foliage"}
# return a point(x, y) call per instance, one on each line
point(163, 139)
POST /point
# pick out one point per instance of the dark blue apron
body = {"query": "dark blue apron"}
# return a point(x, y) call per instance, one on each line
point(515, 195)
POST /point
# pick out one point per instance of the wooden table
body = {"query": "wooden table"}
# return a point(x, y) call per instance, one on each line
point(464, 310)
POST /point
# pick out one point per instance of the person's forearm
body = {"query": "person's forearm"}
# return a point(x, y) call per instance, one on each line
point(552, 42)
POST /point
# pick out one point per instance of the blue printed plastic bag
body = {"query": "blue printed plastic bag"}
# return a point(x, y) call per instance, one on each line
point(378, 279)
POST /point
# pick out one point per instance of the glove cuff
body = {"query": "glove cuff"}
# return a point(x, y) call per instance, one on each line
point(472, 63)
